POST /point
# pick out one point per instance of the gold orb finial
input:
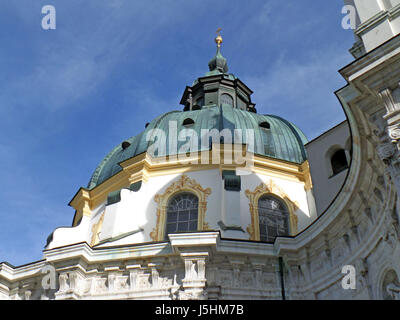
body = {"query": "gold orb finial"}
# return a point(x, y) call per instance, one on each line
point(218, 39)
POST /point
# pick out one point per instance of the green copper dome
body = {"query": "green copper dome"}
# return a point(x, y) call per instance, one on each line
point(218, 101)
point(275, 138)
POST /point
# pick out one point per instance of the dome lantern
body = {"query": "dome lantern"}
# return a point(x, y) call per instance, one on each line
point(218, 87)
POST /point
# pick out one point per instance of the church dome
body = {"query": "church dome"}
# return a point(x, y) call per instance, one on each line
point(218, 101)
point(273, 136)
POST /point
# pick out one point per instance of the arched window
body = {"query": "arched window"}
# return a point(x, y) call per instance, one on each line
point(273, 218)
point(182, 213)
point(226, 99)
point(339, 161)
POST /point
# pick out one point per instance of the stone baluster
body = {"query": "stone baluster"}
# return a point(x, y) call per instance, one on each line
point(63, 279)
point(155, 276)
point(133, 275)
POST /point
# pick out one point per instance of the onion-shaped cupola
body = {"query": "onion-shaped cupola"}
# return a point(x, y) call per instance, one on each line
point(218, 64)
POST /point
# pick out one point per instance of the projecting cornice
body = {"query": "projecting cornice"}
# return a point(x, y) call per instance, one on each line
point(143, 166)
point(375, 60)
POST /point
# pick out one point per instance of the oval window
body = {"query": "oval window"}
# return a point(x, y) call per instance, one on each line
point(188, 122)
point(265, 125)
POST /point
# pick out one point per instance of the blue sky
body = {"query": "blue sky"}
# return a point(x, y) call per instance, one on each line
point(68, 96)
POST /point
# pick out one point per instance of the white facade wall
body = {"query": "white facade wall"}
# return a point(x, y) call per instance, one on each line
point(319, 151)
point(137, 210)
point(377, 21)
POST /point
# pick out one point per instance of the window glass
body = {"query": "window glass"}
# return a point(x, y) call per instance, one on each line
point(182, 213)
point(273, 218)
point(339, 162)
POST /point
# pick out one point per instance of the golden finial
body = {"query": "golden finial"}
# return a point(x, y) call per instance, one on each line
point(218, 39)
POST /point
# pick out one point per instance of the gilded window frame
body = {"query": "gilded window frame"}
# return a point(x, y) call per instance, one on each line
point(183, 184)
point(274, 190)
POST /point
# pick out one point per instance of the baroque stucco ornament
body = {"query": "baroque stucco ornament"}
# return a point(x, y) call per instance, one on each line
point(183, 184)
point(394, 133)
point(273, 189)
point(96, 230)
point(387, 130)
point(386, 151)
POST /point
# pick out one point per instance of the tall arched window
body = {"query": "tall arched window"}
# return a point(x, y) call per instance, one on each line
point(226, 99)
point(273, 218)
point(182, 213)
point(339, 161)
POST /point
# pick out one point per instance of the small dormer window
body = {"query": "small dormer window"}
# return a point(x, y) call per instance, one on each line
point(265, 125)
point(188, 122)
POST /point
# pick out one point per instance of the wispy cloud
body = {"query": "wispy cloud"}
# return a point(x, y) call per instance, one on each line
point(302, 91)
point(76, 59)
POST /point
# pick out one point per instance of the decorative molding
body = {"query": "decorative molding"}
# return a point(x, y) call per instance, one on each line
point(96, 230)
point(394, 132)
point(308, 185)
point(273, 189)
point(183, 184)
point(387, 130)
point(387, 99)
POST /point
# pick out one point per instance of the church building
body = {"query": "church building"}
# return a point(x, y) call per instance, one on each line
point(217, 201)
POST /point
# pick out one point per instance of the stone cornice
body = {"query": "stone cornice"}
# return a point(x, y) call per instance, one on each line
point(12, 273)
point(101, 254)
point(193, 240)
point(381, 55)
point(372, 22)
point(81, 254)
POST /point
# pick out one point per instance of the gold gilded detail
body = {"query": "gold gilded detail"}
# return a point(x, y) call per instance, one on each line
point(218, 39)
point(96, 229)
point(273, 189)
